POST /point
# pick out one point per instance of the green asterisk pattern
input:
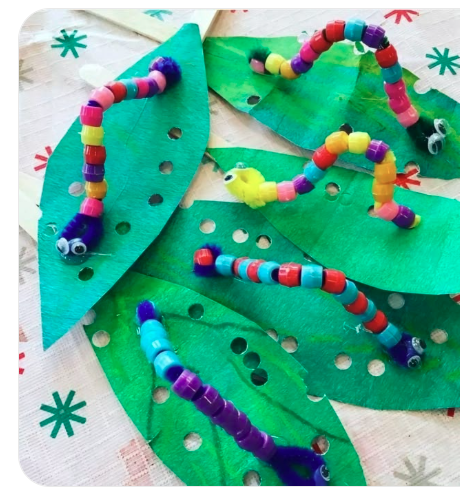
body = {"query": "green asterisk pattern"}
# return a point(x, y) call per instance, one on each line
point(444, 61)
point(63, 414)
point(158, 13)
point(69, 43)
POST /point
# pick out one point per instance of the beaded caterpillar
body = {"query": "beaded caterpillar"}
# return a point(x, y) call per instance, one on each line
point(188, 386)
point(427, 134)
point(403, 348)
point(85, 229)
point(249, 186)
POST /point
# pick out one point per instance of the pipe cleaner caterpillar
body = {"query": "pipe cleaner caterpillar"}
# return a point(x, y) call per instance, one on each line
point(427, 134)
point(403, 348)
point(84, 231)
point(223, 413)
point(249, 186)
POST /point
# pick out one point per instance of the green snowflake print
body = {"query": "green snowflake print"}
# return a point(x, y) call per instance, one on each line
point(69, 43)
point(158, 13)
point(444, 61)
point(63, 414)
point(417, 476)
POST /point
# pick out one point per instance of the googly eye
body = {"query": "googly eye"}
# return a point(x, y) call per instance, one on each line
point(228, 178)
point(414, 362)
point(419, 345)
point(63, 246)
point(325, 473)
point(77, 247)
point(435, 143)
point(442, 127)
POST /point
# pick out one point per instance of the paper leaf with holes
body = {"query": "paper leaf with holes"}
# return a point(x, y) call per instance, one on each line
point(341, 88)
point(321, 327)
point(339, 233)
point(141, 197)
point(235, 356)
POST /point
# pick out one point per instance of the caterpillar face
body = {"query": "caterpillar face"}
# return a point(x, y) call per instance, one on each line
point(73, 251)
point(244, 183)
point(322, 476)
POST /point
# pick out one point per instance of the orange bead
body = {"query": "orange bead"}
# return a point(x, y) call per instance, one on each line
point(334, 281)
point(359, 306)
point(377, 324)
point(289, 274)
point(382, 193)
point(203, 257)
point(96, 189)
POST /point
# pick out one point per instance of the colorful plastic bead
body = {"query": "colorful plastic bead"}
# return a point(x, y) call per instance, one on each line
point(131, 88)
point(92, 136)
point(268, 273)
point(377, 151)
point(231, 420)
point(377, 324)
point(337, 142)
point(385, 173)
point(390, 336)
point(302, 185)
point(253, 269)
point(359, 306)
point(382, 193)
point(409, 117)
point(187, 385)
point(96, 189)
point(287, 72)
point(203, 257)
point(313, 173)
point(386, 57)
point(405, 217)
point(142, 87)
point(334, 281)
point(311, 276)
point(152, 326)
point(399, 105)
point(236, 265)
point(395, 90)
point(94, 173)
point(354, 29)
point(286, 191)
point(94, 154)
point(243, 269)
point(239, 426)
point(370, 312)
point(289, 274)
point(118, 90)
point(417, 221)
point(273, 63)
point(103, 96)
point(91, 207)
point(358, 142)
point(168, 366)
point(268, 191)
point(225, 414)
point(388, 211)
point(224, 264)
point(299, 66)
point(153, 88)
point(155, 347)
point(323, 158)
point(160, 79)
point(268, 448)
point(349, 295)
point(252, 441)
point(209, 402)
point(335, 30)
point(91, 116)
point(307, 54)
point(389, 158)
point(257, 66)
point(373, 36)
point(392, 74)
point(319, 43)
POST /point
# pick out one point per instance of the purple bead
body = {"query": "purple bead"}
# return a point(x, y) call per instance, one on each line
point(373, 35)
point(243, 426)
point(153, 87)
point(299, 66)
point(252, 441)
point(226, 416)
point(405, 217)
point(187, 385)
point(268, 448)
point(236, 423)
point(93, 172)
point(376, 151)
point(209, 402)
point(302, 184)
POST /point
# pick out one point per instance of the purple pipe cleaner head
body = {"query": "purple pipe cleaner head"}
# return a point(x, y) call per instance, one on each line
point(147, 310)
point(168, 67)
point(203, 264)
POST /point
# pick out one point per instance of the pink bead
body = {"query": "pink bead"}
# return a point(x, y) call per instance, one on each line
point(395, 90)
point(307, 54)
point(257, 66)
point(91, 116)
point(388, 211)
point(159, 77)
point(399, 105)
point(103, 96)
point(286, 191)
point(91, 207)
point(409, 117)
point(143, 87)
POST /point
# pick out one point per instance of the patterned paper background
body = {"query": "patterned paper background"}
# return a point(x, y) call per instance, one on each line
point(72, 430)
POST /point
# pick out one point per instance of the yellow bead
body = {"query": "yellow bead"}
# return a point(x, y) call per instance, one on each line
point(416, 221)
point(389, 158)
point(244, 184)
point(96, 190)
point(273, 63)
point(268, 191)
point(382, 193)
point(287, 72)
point(92, 136)
point(337, 142)
point(385, 173)
point(358, 142)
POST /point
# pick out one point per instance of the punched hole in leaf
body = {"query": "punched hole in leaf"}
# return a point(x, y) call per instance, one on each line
point(251, 360)
point(376, 367)
point(85, 274)
point(89, 318)
point(251, 478)
point(196, 311)
point(396, 301)
point(253, 100)
point(371, 212)
point(320, 444)
point(101, 338)
point(342, 361)
point(160, 395)
point(239, 345)
point(175, 133)
point(273, 334)
point(76, 189)
point(50, 229)
point(155, 200)
point(439, 336)
point(240, 236)
point(207, 226)
point(122, 228)
point(259, 377)
point(192, 441)
point(263, 241)
point(166, 167)
point(411, 166)
point(290, 344)
point(332, 191)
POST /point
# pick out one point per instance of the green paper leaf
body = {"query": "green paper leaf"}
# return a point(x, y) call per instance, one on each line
point(137, 141)
point(340, 234)
point(341, 88)
point(321, 326)
point(280, 406)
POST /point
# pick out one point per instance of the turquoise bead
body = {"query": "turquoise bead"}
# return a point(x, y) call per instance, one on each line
point(349, 295)
point(243, 269)
point(131, 88)
point(168, 366)
point(313, 173)
point(224, 264)
point(311, 276)
point(153, 327)
point(268, 271)
point(153, 348)
point(370, 312)
point(390, 336)
point(392, 74)
point(354, 29)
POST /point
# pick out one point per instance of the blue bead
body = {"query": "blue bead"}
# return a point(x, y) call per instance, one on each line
point(349, 295)
point(370, 312)
point(168, 366)
point(313, 173)
point(392, 74)
point(268, 273)
point(224, 264)
point(243, 269)
point(354, 29)
point(390, 336)
point(151, 326)
point(131, 88)
point(311, 276)
point(153, 348)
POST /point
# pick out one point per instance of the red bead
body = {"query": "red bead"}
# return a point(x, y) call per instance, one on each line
point(319, 43)
point(94, 154)
point(118, 90)
point(236, 264)
point(252, 270)
point(203, 257)
point(378, 324)
point(335, 30)
point(323, 158)
point(359, 306)
point(334, 281)
point(289, 274)
point(386, 57)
